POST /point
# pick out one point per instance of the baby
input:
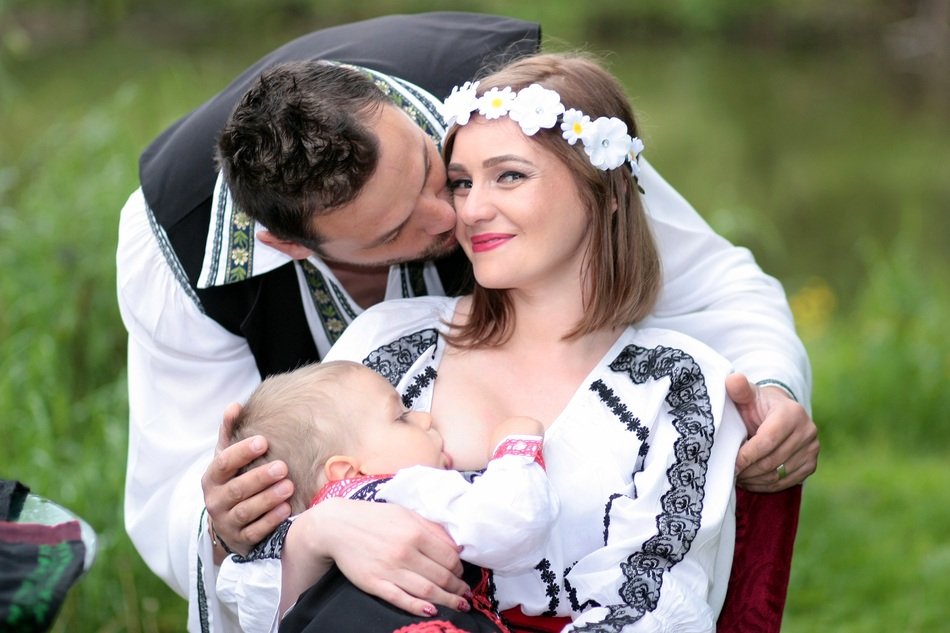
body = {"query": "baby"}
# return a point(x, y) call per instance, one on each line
point(343, 432)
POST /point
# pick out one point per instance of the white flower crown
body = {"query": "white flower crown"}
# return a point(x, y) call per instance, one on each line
point(605, 139)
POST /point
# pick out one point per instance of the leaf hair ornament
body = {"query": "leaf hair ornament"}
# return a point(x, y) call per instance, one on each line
point(605, 139)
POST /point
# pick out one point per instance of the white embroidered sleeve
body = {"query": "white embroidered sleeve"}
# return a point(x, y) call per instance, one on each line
point(669, 549)
point(183, 370)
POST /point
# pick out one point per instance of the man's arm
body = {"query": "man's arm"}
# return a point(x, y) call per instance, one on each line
point(717, 293)
point(183, 369)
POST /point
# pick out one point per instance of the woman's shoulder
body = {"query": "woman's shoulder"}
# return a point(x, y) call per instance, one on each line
point(678, 343)
point(413, 307)
point(389, 321)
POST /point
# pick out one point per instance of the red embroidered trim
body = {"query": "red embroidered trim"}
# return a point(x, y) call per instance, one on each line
point(430, 626)
point(521, 446)
point(343, 488)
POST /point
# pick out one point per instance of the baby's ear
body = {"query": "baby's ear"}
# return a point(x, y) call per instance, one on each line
point(341, 467)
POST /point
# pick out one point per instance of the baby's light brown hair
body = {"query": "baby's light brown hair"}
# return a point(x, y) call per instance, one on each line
point(301, 416)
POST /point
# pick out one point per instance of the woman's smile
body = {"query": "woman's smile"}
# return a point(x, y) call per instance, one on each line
point(488, 241)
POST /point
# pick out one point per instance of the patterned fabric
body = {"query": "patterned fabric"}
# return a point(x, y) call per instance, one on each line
point(521, 446)
point(682, 504)
point(363, 488)
point(271, 547)
point(642, 459)
point(393, 360)
point(39, 564)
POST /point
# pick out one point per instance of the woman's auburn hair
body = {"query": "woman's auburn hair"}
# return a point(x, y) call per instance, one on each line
point(623, 273)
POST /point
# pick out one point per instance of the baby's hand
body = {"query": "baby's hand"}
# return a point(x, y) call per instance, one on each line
point(519, 425)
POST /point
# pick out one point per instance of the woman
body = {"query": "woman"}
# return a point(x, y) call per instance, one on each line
point(640, 437)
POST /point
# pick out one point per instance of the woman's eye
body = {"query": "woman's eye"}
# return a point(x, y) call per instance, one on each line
point(459, 183)
point(510, 177)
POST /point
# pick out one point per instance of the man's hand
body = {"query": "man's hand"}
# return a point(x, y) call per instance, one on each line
point(384, 549)
point(782, 449)
point(247, 508)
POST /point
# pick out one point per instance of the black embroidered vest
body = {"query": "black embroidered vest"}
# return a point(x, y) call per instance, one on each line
point(435, 51)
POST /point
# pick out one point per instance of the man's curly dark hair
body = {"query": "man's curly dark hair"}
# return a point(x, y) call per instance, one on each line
point(297, 144)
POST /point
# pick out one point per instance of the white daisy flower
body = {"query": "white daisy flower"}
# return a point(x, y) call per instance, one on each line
point(575, 125)
point(496, 103)
point(457, 108)
point(636, 147)
point(536, 107)
point(608, 143)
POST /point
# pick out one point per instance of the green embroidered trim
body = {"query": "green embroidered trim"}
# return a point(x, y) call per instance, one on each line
point(240, 247)
point(397, 92)
point(35, 600)
point(328, 310)
point(412, 281)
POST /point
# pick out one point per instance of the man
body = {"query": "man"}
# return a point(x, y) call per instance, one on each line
point(213, 302)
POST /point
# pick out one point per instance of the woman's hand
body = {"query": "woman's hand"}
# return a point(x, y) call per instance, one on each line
point(385, 550)
point(243, 509)
point(782, 449)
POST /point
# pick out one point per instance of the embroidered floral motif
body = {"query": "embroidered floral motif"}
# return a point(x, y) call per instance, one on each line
point(551, 589)
point(331, 312)
point(419, 384)
point(619, 409)
point(241, 247)
point(409, 99)
point(392, 361)
point(682, 504)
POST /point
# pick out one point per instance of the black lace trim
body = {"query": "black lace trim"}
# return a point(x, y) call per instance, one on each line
point(682, 504)
point(270, 547)
point(393, 360)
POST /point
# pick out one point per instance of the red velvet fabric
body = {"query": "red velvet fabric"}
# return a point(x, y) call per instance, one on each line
point(765, 536)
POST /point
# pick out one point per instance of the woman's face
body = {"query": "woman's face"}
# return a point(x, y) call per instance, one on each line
point(520, 217)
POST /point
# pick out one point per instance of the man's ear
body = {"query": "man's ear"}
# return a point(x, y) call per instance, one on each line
point(289, 248)
point(341, 467)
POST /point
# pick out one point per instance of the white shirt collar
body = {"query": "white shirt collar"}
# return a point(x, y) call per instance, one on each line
point(233, 252)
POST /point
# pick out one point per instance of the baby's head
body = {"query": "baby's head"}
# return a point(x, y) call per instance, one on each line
point(336, 420)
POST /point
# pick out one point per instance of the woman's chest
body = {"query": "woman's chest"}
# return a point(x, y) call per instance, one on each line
point(470, 399)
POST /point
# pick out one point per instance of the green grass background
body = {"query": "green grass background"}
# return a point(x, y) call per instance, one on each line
point(818, 151)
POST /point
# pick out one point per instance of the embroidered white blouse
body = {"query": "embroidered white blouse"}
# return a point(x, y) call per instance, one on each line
point(642, 460)
point(184, 368)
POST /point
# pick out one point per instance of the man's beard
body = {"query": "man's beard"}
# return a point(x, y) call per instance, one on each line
point(440, 247)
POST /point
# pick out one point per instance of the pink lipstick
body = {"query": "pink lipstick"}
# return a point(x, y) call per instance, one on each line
point(488, 241)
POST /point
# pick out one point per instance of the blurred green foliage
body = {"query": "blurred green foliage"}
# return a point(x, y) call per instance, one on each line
point(789, 125)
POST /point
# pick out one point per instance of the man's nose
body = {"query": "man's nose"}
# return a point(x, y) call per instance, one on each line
point(438, 214)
